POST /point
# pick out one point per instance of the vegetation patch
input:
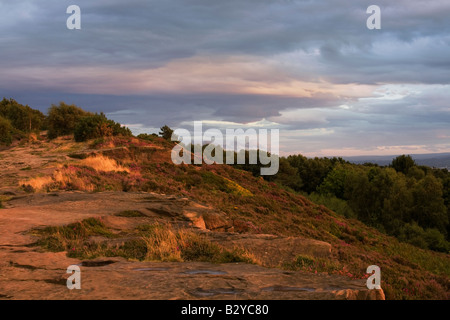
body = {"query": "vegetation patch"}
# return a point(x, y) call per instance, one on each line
point(154, 242)
point(130, 214)
point(102, 163)
point(312, 264)
point(71, 237)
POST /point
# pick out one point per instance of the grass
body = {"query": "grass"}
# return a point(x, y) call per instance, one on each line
point(102, 163)
point(90, 174)
point(4, 198)
point(130, 214)
point(313, 264)
point(155, 242)
point(37, 183)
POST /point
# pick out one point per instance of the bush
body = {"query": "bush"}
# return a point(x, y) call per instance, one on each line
point(98, 126)
point(436, 240)
point(425, 239)
point(63, 119)
point(331, 202)
point(6, 130)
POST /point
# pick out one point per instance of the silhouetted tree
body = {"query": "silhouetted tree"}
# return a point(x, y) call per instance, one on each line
point(166, 132)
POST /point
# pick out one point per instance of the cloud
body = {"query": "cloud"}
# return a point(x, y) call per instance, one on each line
point(312, 67)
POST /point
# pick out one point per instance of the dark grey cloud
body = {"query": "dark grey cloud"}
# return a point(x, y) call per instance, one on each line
point(142, 34)
point(309, 41)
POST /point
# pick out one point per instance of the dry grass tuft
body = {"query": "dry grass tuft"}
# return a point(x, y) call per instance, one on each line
point(37, 183)
point(102, 163)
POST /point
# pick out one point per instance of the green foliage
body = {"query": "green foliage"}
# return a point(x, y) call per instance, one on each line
point(97, 126)
point(304, 261)
point(214, 181)
point(312, 172)
point(62, 238)
point(426, 239)
point(334, 203)
point(403, 163)
point(146, 136)
point(6, 130)
point(131, 214)
point(63, 119)
point(22, 118)
point(389, 198)
point(429, 209)
point(288, 175)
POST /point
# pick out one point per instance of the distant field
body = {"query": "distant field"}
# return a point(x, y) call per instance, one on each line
point(436, 160)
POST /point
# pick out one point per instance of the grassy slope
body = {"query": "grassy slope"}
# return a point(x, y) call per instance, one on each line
point(257, 206)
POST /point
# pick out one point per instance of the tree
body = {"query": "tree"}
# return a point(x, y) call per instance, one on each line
point(22, 118)
point(288, 175)
point(403, 163)
point(429, 209)
point(5, 131)
point(166, 132)
point(63, 119)
point(96, 126)
point(312, 171)
point(334, 183)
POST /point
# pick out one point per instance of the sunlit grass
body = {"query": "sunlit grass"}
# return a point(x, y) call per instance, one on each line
point(102, 163)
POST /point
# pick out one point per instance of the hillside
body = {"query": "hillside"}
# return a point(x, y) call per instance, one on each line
point(118, 204)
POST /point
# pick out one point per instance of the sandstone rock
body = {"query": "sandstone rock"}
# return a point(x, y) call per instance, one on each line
point(272, 250)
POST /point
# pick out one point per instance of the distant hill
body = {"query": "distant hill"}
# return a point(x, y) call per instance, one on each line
point(436, 160)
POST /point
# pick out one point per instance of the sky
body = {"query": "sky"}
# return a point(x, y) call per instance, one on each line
point(311, 69)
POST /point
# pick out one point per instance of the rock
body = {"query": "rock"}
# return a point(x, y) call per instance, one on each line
point(272, 250)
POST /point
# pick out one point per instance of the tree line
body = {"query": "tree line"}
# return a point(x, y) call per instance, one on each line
point(17, 120)
point(405, 200)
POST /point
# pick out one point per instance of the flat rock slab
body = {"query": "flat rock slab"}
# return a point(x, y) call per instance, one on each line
point(170, 280)
point(28, 273)
point(272, 250)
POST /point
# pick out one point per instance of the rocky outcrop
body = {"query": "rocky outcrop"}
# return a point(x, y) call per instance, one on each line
point(27, 272)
